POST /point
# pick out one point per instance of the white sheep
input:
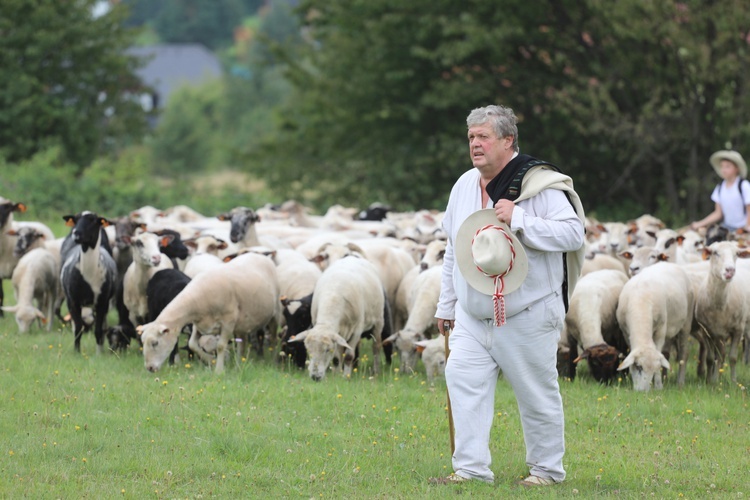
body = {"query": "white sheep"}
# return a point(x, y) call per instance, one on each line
point(723, 303)
point(348, 301)
point(233, 301)
point(200, 263)
point(420, 325)
point(35, 278)
point(603, 261)
point(147, 261)
point(655, 306)
point(433, 357)
point(591, 323)
point(640, 258)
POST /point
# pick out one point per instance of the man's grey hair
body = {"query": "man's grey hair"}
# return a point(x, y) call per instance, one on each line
point(502, 119)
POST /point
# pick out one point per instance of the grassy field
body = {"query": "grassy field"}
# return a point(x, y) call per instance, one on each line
point(88, 426)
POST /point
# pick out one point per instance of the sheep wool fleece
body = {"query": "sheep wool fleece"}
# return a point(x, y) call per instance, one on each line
point(524, 348)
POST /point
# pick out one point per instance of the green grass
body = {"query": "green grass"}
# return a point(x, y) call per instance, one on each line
point(88, 426)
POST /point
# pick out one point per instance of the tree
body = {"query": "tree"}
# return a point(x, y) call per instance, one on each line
point(629, 97)
point(66, 80)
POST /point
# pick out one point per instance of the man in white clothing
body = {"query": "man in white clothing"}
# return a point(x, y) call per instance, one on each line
point(547, 218)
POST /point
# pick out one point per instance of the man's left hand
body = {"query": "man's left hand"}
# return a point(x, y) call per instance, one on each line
point(504, 210)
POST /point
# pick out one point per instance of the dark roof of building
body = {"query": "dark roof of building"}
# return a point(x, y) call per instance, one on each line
point(167, 67)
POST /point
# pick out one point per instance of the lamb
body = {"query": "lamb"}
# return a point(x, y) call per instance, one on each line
point(298, 318)
point(200, 263)
point(162, 288)
point(723, 302)
point(603, 261)
point(232, 301)
point(88, 274)
point(433, 255)
point(420, 325)
point(348, 300)
point(656, 306)
point(591, 322)
point(8, 260)
point(35, 278)
point(642, 257)
point(433, 357)
point(147, 260)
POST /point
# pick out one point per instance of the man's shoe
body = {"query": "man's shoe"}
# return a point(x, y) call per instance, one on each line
point(533, 481)
point(449, 479)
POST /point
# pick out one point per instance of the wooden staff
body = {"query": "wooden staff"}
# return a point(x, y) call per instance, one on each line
point(451, 429)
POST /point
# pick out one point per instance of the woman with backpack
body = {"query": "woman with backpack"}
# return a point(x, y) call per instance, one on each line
point(731, 196)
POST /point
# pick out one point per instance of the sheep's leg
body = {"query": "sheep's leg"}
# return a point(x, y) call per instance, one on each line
point(746, 347)
point(733, 354)
point(682, 357)
point(100, 311)
point(197, 350)
point(2, 299)
point(376, 344)
point(49, 309)
point(221, 350)
point(75, 315)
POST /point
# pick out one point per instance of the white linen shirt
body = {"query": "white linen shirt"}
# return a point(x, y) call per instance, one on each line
point(547, 226)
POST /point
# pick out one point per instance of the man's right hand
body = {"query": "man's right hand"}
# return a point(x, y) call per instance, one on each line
point(444, 325)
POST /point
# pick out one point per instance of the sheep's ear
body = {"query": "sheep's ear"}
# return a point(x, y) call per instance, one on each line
point(166, 240)
point(342, 342)
point(662, 257)
point(70, 220)
point(744, 254)
point(224, 217)
point(20, 207)
point(319, 258)
point(390, 339)
point(10, 309)
point(706, 253)
point(11, 232)
point(626, 255)
point(584, 355)
point(104, 222)
point(663, 361)
point(139, 329)
point(163, 330)
point(222, 245)
point(680, 240)
point(299, 338)
point(627, 363)
point(651, 233)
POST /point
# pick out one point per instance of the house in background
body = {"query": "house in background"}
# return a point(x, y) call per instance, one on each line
point(170, 66)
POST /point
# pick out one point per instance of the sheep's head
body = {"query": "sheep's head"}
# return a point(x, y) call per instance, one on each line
point(644, 364)
point(406, 343)
point(158, 342)
point(25, 316)
point(603, 360)
point(322, 347)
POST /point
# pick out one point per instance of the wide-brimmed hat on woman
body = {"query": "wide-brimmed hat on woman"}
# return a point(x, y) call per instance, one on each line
point(732, 156)
point(490, 258)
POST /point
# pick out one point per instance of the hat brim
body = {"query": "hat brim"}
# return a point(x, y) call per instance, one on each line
point(473, 276)
point(732, 156)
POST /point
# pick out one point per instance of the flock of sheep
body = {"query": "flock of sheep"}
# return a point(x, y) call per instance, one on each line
point(310, 287)
point(646, 290)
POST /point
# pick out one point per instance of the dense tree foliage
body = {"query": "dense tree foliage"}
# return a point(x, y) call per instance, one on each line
point(65, 80)
point(629, 97)
point(210, 22)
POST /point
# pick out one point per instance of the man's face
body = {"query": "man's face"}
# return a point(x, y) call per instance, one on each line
point(486, 149)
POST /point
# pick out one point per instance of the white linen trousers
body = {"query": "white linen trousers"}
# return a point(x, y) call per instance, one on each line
point(525, 349)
